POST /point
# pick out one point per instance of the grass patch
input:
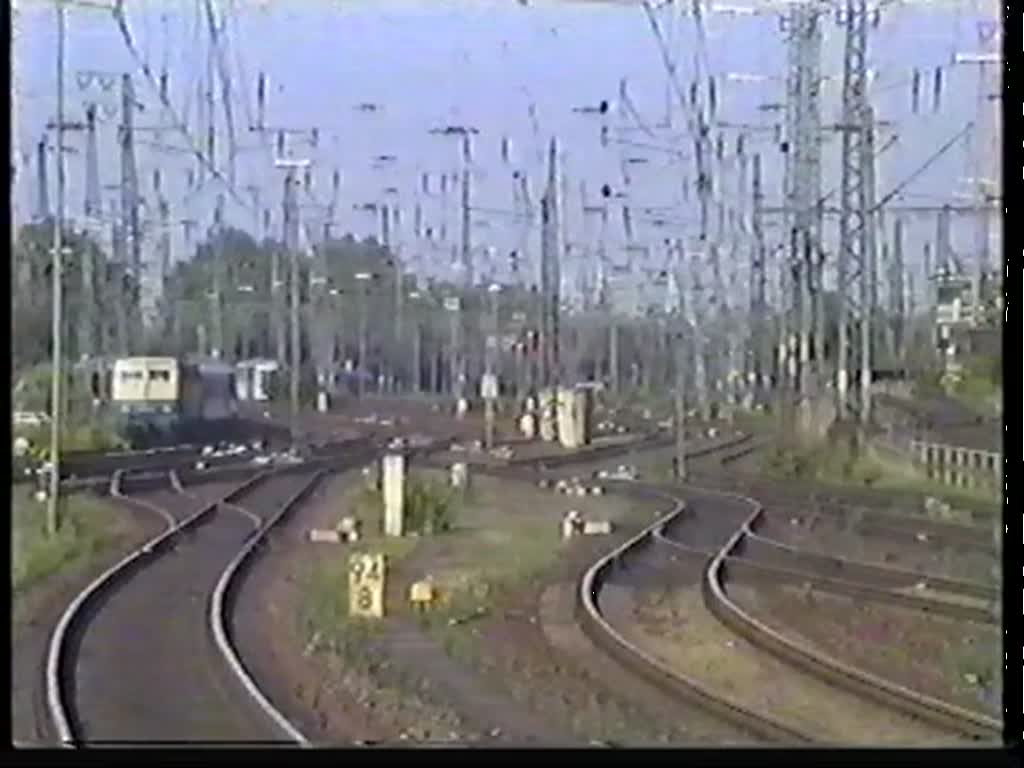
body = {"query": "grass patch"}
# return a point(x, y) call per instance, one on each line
point(324, 612)
point(840, 465)
point(756, 422)
point(502, 540)
point(86, 529)
point(430, 506)
point(506, 542)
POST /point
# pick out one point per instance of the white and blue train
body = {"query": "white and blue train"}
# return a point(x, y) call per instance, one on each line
point(164, 399)
point(255, 380)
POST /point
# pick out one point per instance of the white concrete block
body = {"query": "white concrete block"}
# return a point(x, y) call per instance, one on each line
point(459, 474)
point(319, 536)
point(393, 466)
point(597, 528)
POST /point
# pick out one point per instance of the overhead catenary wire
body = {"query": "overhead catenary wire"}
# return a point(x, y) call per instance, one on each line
point(126, 35)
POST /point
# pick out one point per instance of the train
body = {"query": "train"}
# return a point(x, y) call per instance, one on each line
point(166, 400)
point(256, 380)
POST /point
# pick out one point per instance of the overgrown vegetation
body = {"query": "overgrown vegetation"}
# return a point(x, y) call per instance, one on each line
point(430, 506)
point(839, 460)
point(86, 529)
point(980, 386)
point(82, 429)
point(841, 464)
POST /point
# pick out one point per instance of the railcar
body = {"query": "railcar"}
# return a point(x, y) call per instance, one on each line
point(255, 379)
point(144, 394)
point(163, 400)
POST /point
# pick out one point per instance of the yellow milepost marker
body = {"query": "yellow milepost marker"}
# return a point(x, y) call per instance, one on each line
point(421, 594)
point(366, 585)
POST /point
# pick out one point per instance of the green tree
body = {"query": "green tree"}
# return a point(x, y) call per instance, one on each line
point(32, 294)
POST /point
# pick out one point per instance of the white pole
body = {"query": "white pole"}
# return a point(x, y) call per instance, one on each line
point(52, 519)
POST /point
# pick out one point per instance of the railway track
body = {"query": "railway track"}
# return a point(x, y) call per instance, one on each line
point(873, 521)
point(603, 633)
point(827, 497)
point(768, 551)
point(715, 542)
point(749, 725)
point(756, 561)
point(156, 623)
point(95, 474)
point(973, 725)
point(92, 466)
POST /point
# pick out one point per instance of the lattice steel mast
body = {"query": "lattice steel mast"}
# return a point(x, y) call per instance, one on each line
point(856, 260)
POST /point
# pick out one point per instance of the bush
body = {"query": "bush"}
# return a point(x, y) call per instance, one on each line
point(788, 463)
point(429, 508)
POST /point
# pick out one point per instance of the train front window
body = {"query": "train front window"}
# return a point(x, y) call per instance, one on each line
point(131, 376)
point(159, 375)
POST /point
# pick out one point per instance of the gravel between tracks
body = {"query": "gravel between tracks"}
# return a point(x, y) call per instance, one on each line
point(329, 703)
point(829, 536)
point(674, 623)
point(334, 704)
point(925, 653)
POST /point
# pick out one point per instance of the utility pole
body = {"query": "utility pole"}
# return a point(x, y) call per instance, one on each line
point(758, 283)
point(390, 239)
point(696, 308)
point(43, 186)
point(856, 216)
point(217, 294)
point(164, 218)
point(93, 211)
point(679, 347)
point(897, 303)
point(130, 224)
point(550, 277)
point(15, 140)
point(116, 294)
point(720, 317)
point(52, 510)
point(291, 238)
point(466, 242)
point(490, 393)
point(277, 313)
point(803, 163)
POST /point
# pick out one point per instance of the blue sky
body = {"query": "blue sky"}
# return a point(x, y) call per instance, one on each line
point(482, 63)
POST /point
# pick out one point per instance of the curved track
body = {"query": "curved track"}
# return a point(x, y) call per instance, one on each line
point(596, 598)
point(715, 539)
point(968, 723)
point(144, 653)
point(757, 561)
point(141, 633)
point(768, 551)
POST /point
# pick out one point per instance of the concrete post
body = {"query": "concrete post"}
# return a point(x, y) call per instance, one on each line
point(460, 475)
point(548, 424)
point(583, 406)
point(394, 494)
point(566, 418)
